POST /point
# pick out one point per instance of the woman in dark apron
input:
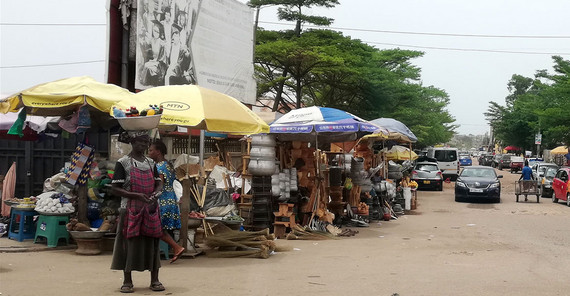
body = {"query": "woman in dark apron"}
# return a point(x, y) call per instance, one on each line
point(139, 230)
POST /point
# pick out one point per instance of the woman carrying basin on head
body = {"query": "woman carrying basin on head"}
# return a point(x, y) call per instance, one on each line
point(137, 242)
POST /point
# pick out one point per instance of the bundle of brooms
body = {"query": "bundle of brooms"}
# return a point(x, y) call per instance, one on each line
point(248, 244)
point(305, 233)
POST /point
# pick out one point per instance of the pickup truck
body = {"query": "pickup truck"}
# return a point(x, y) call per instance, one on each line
point(517, 164)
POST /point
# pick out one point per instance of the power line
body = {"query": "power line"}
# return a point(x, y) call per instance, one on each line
point(49, 24)
point(428, 33)
point(458, 49)
point(49, 65)
point(470, 49)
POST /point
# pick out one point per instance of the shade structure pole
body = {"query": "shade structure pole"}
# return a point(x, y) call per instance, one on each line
point(202, 139)
point(318, 182)
point(184, 210)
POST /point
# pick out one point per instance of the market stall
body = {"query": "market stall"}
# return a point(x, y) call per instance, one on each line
point(397, 162)
point(81, 103)
point(195, 107)
point(304, 138)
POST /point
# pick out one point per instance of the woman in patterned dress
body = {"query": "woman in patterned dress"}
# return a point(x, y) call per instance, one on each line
point(169, 211)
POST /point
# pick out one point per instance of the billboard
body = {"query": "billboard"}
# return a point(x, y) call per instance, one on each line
point(204, 42)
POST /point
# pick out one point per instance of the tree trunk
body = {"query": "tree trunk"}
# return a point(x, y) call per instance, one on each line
point(299, 92)
point(279, 91)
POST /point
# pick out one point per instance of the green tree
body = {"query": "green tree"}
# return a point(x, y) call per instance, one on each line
point(534, 104)
point(340, 72)
point(292, 10)
point(554, 104)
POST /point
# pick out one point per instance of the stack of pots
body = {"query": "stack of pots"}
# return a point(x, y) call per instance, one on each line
point(293, 180)
point(282, 183)
point(262, 155)
point(275, 183)
point(359, 175)
point(285, 185)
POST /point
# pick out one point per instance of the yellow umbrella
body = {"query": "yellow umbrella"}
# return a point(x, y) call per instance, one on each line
point(198, 107)
point(56, 97)
point(563, 150)
point(398, 152)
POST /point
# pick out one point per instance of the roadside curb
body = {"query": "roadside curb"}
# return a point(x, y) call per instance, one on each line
point(14, 249)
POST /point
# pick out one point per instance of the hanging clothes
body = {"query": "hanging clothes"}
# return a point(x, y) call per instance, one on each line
point(8, 188)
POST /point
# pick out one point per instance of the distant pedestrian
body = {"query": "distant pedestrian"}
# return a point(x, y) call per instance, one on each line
point(526, 176)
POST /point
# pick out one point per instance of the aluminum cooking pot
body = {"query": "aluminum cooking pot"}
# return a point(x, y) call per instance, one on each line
point(263, 140)
point(262, 152)
point(261, 167)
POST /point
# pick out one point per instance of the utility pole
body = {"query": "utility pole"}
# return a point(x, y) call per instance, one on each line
point(538, 141)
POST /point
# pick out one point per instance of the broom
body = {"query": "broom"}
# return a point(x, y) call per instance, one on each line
point(263, 252)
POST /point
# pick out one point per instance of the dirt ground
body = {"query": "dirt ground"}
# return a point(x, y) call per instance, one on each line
point(442, 248)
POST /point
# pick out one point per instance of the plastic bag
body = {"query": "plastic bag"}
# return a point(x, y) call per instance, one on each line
point(348, 183)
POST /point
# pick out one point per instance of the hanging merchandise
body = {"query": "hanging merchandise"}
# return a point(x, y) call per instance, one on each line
point(18, 126)
point(78, 122)
point(84, 121)
point(80, 164)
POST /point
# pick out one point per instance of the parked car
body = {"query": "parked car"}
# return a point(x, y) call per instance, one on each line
point(533, 160)
point(546, 181)
point(486, 160)
point(465, 160)
point(517, 164)
point(561, 185)
point(496, 160)
point(504, 161)
point(478, 183)
point(428, 175)
point(447, 160)
point(539, 168)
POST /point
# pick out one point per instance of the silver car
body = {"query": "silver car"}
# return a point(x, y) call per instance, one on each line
point(428, 175)
point(539, 168)
point(546, 181)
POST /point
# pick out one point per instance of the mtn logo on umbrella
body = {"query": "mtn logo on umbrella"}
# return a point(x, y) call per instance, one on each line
point(175, 106)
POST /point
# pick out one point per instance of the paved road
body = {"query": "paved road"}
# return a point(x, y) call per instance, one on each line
point(443, 248)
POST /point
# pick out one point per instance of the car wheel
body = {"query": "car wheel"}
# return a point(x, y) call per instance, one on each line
point(568, 199)
point(440, 188)
point(554, 199)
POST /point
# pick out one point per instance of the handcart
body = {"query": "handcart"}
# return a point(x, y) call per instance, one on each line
point(526, 188)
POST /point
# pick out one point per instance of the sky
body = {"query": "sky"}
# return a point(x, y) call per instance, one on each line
point(51, 42)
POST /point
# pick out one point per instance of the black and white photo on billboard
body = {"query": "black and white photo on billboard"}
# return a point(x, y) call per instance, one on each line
point(164, 35)
point(203, 42)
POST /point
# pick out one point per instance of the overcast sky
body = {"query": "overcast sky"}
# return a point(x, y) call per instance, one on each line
point(42, 41)
point(33, 52)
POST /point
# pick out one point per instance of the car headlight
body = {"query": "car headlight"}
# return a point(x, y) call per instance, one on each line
point(495, 185)
point(460, 184)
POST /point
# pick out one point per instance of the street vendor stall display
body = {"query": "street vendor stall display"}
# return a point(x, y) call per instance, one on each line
point(318, 126)
point(196, 107)
point(79, 101)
